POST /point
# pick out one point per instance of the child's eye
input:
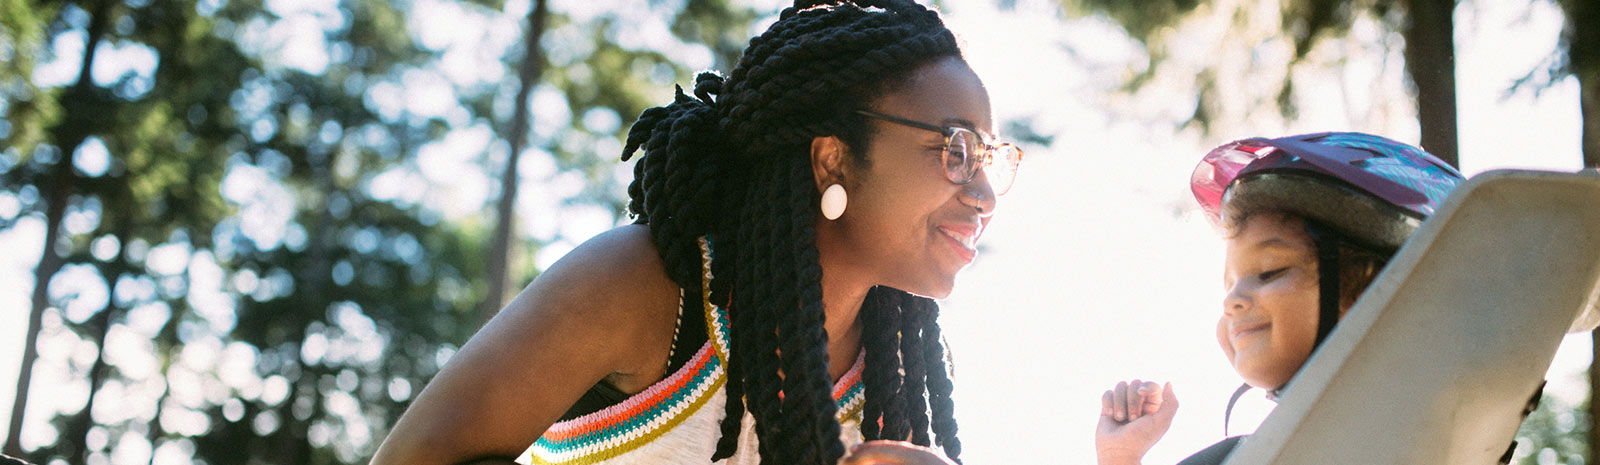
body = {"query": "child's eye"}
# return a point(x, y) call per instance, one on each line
point(1268, 276)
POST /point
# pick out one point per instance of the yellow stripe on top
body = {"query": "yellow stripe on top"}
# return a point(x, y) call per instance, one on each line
point(651, 423)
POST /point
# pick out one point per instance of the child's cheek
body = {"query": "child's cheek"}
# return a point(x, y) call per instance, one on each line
point(1222, 339)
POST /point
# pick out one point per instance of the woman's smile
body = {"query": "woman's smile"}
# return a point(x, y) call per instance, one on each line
point(963, 237)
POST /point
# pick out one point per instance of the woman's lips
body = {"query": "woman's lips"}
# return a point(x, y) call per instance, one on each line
point(963, 239)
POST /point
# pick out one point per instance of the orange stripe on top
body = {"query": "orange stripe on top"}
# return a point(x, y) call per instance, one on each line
point(634, 405)
point(850, 378)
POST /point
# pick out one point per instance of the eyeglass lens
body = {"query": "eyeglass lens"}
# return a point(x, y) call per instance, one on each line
point(957, 160)
point(963, 155)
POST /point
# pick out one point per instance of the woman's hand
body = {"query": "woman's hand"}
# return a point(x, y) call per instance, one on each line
point(893, 453)
point(1133, 416)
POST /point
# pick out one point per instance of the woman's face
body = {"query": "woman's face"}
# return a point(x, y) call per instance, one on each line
point(1269, 316)
point(906, 224)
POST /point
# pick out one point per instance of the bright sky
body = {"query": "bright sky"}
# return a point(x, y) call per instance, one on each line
point(1096, 268)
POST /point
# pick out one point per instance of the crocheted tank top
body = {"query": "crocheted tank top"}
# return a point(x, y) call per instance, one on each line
point(679, 419)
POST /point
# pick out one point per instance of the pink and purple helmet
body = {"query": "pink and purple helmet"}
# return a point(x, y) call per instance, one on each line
point(1373, 190)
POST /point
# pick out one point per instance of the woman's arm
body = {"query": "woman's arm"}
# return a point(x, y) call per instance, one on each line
point(605, 311)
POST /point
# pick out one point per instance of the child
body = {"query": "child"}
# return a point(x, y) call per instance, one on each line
point(1309, 221)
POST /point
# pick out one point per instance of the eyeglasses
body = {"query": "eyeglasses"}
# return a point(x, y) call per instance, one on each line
point(966, 151)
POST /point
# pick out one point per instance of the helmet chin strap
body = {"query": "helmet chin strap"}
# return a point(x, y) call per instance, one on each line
point(1327, 242)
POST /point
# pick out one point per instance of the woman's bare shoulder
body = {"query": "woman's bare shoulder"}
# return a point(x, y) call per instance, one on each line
point(620, 266)
point(605, 311)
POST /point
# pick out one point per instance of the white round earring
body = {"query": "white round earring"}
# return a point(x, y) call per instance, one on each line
point(833, 202)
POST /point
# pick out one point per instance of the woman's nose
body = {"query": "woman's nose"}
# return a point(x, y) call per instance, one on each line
point(979, 194)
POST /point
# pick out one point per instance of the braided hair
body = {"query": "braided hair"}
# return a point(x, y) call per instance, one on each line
point(732, 162)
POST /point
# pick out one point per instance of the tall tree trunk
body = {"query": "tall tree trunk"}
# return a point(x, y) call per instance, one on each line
point(1589, 84)
point(49, 263)
point(69, 134)
point(155, 432)
point(74, 438)
point(500, 250)
point(1431, 63)
point(101, 323)
point(291, 443)
point(1583, 55)
point(1593, 439)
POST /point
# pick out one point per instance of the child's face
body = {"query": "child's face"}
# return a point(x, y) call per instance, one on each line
point(1269, 316)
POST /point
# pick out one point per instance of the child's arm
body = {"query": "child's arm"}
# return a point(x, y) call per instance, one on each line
point(1133, 416)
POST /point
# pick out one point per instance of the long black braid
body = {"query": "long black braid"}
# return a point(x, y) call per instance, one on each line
point(732, 162)
point(938, 381)
point(880, 338)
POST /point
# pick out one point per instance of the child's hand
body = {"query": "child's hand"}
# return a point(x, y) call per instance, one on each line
point(1133, 416)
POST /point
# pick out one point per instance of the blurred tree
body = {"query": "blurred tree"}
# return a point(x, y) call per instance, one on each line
point(1555, 433)
point(26, 116)
point(86, 119)
point(1579, 57)
point(604, 90)
point(1581, 39)
point(156, 182)
point(1426, 25)
point(1429, 29)
point(531, 68)
point(276, 201)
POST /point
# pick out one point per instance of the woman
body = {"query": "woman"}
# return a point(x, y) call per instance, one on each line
point(1309, 221)
point(772, 302)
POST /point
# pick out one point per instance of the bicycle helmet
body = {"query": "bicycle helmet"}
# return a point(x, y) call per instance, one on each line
point(1371, 189)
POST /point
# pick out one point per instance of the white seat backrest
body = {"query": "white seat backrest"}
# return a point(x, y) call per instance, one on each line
point(1436, 361)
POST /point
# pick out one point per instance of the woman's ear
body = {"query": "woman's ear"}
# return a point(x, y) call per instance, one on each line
point(828, 157)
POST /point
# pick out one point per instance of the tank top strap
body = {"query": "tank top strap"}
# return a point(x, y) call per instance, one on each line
point(652, 419)
point(716, 315)
point(848, 392)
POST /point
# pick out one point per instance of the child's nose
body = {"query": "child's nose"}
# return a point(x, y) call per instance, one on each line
point(1237, 299)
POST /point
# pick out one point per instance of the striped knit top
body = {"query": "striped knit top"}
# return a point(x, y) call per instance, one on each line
point(678, 420)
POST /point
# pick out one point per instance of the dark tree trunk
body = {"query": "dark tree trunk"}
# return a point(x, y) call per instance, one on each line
point(1593, 439)
point(56, 199)
point(1590, 107)
point(1583, 55)
point(79, 425)
point(1431, 63)
point(155, 432)
point(68, 135)
point(1590, 85)
point(101, 323)
point(291, 443)
point(500, 249)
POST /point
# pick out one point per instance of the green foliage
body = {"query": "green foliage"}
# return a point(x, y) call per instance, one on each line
point(1555, 433)
point(1143, 20)
point(289, 305)
point(1302, 22)
point(26, 112)
point(722, 25)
